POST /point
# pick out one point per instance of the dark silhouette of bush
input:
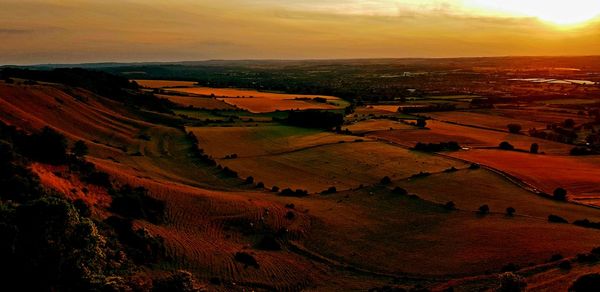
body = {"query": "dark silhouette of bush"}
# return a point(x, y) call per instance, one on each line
point(484, 210)
point(330, 190)
point(510, 282)
point(79, 149)
point(421, 123)
point(247, 259)
point(506, 146)
point(586, 283)
point(534, 148)
point(450, 205)
point(400, 191)
point(139, 245)
point(581, 151)
point(386, 180)
point(437, 147)
point(275, 189)
point(451, 169)
point(315, 119)
point(291, 193)
point(181, 281)
point(250, 180)
point(474, 166)
point(555, 258)
point(560, 194)
point(514, 128)
point(229, 173)
point(136, 203)
point(587, 258)
point(82, 208)
point(268, 242)
point(47, 146)
point(569, 123)
point(290, 215)
point(565, 265)
point(421, 174)
point(260, 185)
point(556, 219)
point(290, 206)
point(510, 211)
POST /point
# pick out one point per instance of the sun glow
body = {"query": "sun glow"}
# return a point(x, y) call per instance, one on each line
point(559, 12)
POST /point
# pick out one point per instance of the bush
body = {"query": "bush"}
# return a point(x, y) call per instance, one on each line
point(135, 203)
point(181, 281)
point(275, 189)
point(506, 146)
point(534, 148)
point(400, 191)
point(586, 283)
point(247, 259)
point(510, 211)
point(474, 166)
point(556, 219)
point(484, 209)
point(450, 205)
point(514, 128)
point(580, 151)
point(260, 185)
point(560, 194)
point(556, 257)
point(79, 149)
point(386, 180)
point(249, 180)
point(565, 265)
point(510, 282)
point(330, 190)
point(291, 193)
point(47, 146)
point(437, 147)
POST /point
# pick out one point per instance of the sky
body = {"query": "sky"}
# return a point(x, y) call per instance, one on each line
point(79, 31)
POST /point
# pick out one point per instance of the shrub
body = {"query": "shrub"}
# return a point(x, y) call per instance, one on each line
point(437, 147)
point(556, 219)
point(247, 259)
point(506, 146)
point(510, 282)
point(565, 265)
point(268, 242)
point(386, 180)
point(275, 189)
point(330, 190)
point(179, 281)
point(556, 257)
point(586, 283)
point(47, 146)
point(290, 215)
point(137, 204)
point(79, 149)
point(450, 205)
point(514, 128)
point(484, 209)
point(587, 258)
point(250, 180)
point(560, 194)
point(421, 123)
point(474, 166)
point(260, 185)
point(229, 173)
point(400, 191)
point(510, 211)
point(291, 193)
point(534, 148)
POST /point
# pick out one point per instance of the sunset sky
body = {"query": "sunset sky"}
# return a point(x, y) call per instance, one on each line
point(72, 31)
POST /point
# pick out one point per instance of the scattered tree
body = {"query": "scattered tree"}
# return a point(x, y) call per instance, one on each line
point(506, 146)
point(514, 128)
point(534, 148)
point(386, 180)
point(556, 219)
point(484, 209)
point(586, 283)
point(560, 194)
point(510, 211)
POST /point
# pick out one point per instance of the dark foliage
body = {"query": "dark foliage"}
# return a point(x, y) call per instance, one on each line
point(484, 209)
point(180, 281)
point(560, 194)
point(386, 180)
point(247, 259)
point(400, 191)
point(136, 203)
point(315, 119)
point(510, 211)
point(330, 190)
point(79, 149)
point(506, 146)
point(291, 193)
point(514, 128)
point(450, 205)
point(437, 147)
point(556, 219)
point(534, 148)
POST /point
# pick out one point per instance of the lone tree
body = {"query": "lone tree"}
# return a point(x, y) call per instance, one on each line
point(421, 123)
point(484, 209)
point(560, 194)
point(514, 128)
point(510, 211)
point(534, 148)
point(386, 180)
point(506, 146)
point(79, 149)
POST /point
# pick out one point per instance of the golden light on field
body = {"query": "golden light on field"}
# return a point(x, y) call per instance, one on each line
point(558, 12)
